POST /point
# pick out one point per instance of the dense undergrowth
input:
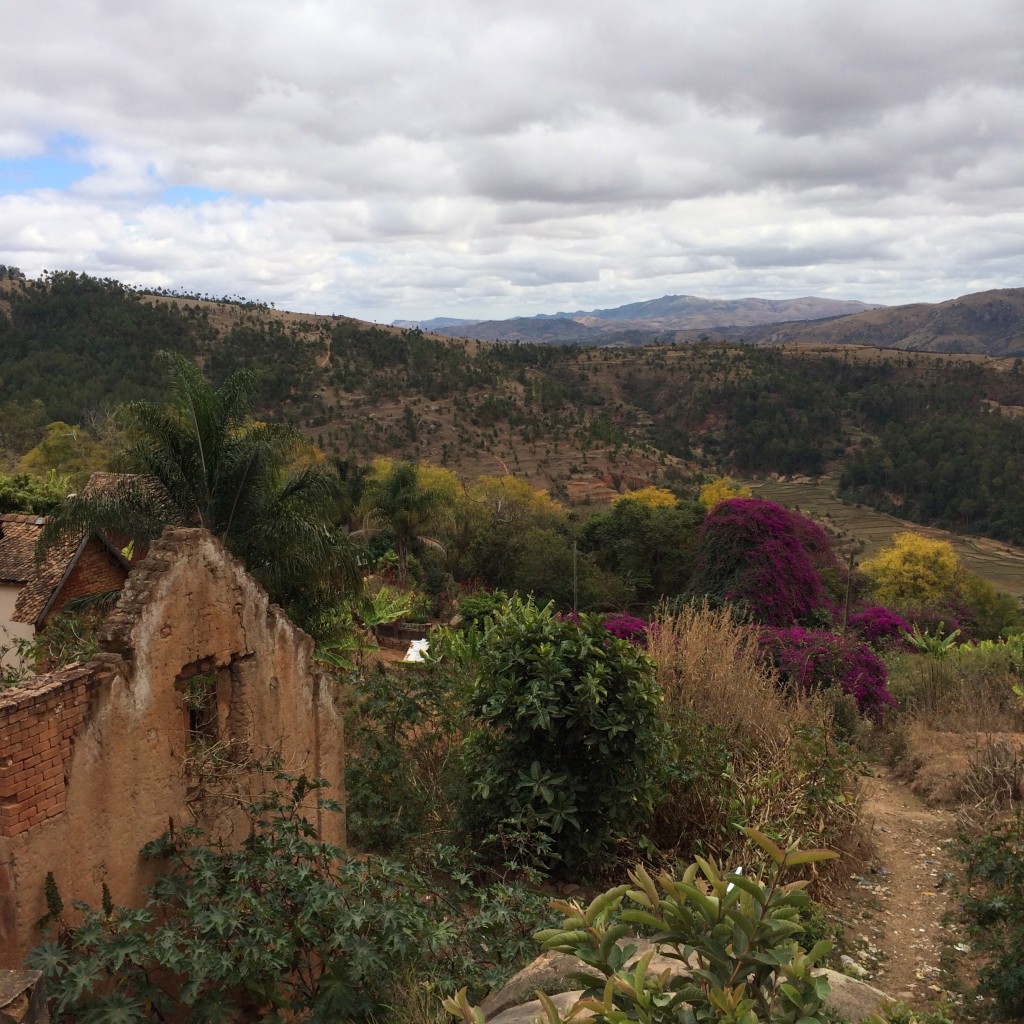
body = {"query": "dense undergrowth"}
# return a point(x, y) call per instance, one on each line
point(679, 679)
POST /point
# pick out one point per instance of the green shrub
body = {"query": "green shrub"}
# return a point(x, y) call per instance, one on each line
point(992, 910)
point(563, 760)
point(403, 733)
point(741, 932)
point(284, 928)
point(474, 608)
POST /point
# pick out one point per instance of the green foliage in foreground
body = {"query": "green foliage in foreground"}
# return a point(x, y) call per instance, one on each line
point(992, 910)
point(737, 933)
point(563, 761)
point(286, 927)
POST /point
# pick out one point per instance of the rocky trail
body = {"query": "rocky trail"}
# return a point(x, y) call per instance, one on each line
point(895, 932)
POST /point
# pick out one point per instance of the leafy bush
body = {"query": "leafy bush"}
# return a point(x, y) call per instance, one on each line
point(284, 928)
point(403, 732)
point(812, 659)
point(992, 910)
point(562, 762)
point(773, 561)
point(475, 607)
point(740, 932)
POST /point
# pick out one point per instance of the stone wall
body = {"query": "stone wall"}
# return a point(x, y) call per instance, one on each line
point(201, 685)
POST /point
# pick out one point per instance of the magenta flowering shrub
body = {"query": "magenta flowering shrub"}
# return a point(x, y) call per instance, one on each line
point(627, 627)
point(812, 659)
point(941, 619)
point(879, 626)
point(766, 557)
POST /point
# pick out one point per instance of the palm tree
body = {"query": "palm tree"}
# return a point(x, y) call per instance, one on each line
point(400, 504)
point(200, 460)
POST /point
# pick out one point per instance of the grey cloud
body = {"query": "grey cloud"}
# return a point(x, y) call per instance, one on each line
point(411, 159)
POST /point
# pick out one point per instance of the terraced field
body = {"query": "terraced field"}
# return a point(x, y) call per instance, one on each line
point(1001, 563)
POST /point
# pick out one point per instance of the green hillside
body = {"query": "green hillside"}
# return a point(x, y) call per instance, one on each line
point(933, 438)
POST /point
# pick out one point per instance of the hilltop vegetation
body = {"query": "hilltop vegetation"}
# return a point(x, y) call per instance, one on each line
point(933, 437)
point(547, 738)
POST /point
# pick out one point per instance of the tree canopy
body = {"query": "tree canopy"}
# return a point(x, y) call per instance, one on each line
point(199, 460)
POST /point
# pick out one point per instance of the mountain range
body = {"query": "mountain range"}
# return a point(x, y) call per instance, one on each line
point(990, 323)
point(638, 320)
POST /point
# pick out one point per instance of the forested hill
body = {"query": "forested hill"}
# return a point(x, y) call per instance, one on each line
point(936, 438)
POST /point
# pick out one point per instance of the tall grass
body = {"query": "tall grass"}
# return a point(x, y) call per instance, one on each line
point(748, 751)
point(957, 693)
point(710, 665)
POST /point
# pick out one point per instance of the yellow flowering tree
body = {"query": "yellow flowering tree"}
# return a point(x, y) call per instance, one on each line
point(652, 497)
point(915, 570)
point(721, 489)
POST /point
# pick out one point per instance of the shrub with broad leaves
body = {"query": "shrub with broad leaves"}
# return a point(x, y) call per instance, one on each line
point(569, 738)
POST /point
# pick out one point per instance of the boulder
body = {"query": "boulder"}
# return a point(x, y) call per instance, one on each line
point(851, 999)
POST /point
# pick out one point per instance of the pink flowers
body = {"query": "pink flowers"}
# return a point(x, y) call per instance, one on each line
point(813, 659)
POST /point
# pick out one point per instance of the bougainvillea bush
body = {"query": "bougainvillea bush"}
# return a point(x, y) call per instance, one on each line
point(813, 659)
point(627, 627)
point(880, 627)
point(773, 561)
point(941, 620)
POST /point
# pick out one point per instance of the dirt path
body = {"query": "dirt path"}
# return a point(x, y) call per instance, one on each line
point(899, 901)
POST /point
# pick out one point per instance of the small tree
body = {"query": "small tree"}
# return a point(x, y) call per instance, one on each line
point(568, 739)
point(914, 570)
point(721, 489)
point(398, 501)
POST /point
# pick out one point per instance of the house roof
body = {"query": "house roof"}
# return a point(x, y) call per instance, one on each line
point(41, 582)
point(18, 536)
point(46, 580)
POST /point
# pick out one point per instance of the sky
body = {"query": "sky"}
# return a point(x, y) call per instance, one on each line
point(416, 158)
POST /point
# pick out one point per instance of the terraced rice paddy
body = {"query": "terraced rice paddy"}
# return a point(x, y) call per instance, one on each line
point(1001, 563)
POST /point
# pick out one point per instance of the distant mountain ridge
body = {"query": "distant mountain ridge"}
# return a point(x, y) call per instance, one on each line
point(982, 323)
point(643, 319)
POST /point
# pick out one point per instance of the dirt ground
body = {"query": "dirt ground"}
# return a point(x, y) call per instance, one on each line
point(898, 898)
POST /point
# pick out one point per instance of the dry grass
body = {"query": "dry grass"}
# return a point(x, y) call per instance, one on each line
point(751, 752)
point(950, 695)
point(994, 782)
point(708, 664)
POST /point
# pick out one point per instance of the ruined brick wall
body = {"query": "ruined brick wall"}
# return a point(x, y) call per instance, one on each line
point(97, 760)
point(40, 719)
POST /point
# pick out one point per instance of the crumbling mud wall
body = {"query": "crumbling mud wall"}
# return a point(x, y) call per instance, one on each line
point(202, 689)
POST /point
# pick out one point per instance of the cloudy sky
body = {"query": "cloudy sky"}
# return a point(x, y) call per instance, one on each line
point(416, 158)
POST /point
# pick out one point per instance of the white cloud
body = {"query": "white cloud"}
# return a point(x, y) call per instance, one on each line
point(404, 159)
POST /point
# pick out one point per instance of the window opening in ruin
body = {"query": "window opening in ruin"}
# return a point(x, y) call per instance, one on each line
point(199, 695)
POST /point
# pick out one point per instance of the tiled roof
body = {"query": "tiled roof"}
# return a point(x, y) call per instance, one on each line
point(18, 536)
point(45, 580)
